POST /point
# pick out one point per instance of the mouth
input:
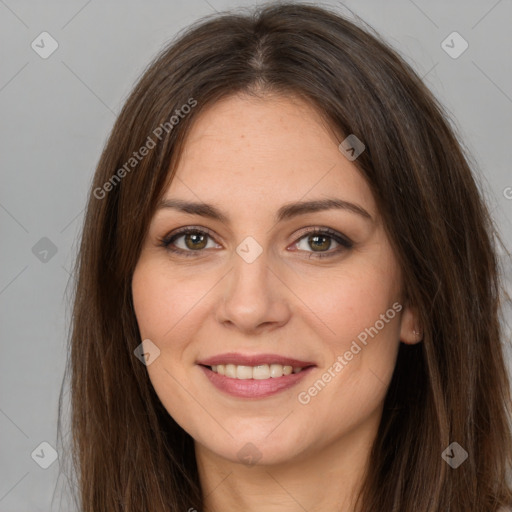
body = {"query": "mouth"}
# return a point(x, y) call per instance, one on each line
point(255, 376)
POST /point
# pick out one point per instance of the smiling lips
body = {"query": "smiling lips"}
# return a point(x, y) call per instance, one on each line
point(255, 376)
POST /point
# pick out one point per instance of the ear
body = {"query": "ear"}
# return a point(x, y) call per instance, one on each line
point(411, 332)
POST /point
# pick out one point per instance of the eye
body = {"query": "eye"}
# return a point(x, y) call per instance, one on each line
point(194, 241)
point(320, 240)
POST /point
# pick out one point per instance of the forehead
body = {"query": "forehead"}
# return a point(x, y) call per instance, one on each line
point(251, 152)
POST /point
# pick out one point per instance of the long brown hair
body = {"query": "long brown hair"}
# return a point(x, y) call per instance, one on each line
point(129, 454)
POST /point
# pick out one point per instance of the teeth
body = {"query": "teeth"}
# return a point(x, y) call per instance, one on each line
point(230, 371)
point(243, 372)
point(260, 372)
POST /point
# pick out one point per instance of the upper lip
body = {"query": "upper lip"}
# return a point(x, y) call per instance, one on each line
point(253, 360)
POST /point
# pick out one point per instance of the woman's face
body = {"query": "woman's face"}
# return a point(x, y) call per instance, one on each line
point(255, 292)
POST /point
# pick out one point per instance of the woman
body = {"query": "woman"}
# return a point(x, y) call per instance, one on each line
point(287, 294)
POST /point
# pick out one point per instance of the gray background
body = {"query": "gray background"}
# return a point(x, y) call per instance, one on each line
point(57, 112)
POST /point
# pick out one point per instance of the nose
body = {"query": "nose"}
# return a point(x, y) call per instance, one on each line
point(254, 299)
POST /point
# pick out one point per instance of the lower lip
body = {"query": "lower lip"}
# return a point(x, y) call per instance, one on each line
point(254, 388)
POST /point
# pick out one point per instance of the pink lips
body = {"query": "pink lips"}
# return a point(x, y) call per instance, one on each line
point(254, 388)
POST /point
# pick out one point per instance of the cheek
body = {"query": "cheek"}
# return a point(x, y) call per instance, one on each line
point(359, 362)
point(347, 302)
point(359, 312)
point(150, 301)
point(162, 301)
point(164, 308)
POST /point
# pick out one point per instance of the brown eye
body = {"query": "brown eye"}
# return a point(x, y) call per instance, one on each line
point(195, 240)
point(188, 242)
point(319, 241)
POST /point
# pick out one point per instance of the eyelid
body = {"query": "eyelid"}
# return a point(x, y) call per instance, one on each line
point(323, 230)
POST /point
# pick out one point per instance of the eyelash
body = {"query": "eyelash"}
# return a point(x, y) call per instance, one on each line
point(344, 242)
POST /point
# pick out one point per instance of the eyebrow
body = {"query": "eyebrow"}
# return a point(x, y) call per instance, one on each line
point(286, 212)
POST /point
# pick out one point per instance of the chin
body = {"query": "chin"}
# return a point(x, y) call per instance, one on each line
point(262, 449)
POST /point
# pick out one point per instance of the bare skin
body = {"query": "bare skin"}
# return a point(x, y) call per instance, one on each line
point(249, 157)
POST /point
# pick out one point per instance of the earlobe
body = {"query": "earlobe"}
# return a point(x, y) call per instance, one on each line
point(410, 329)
